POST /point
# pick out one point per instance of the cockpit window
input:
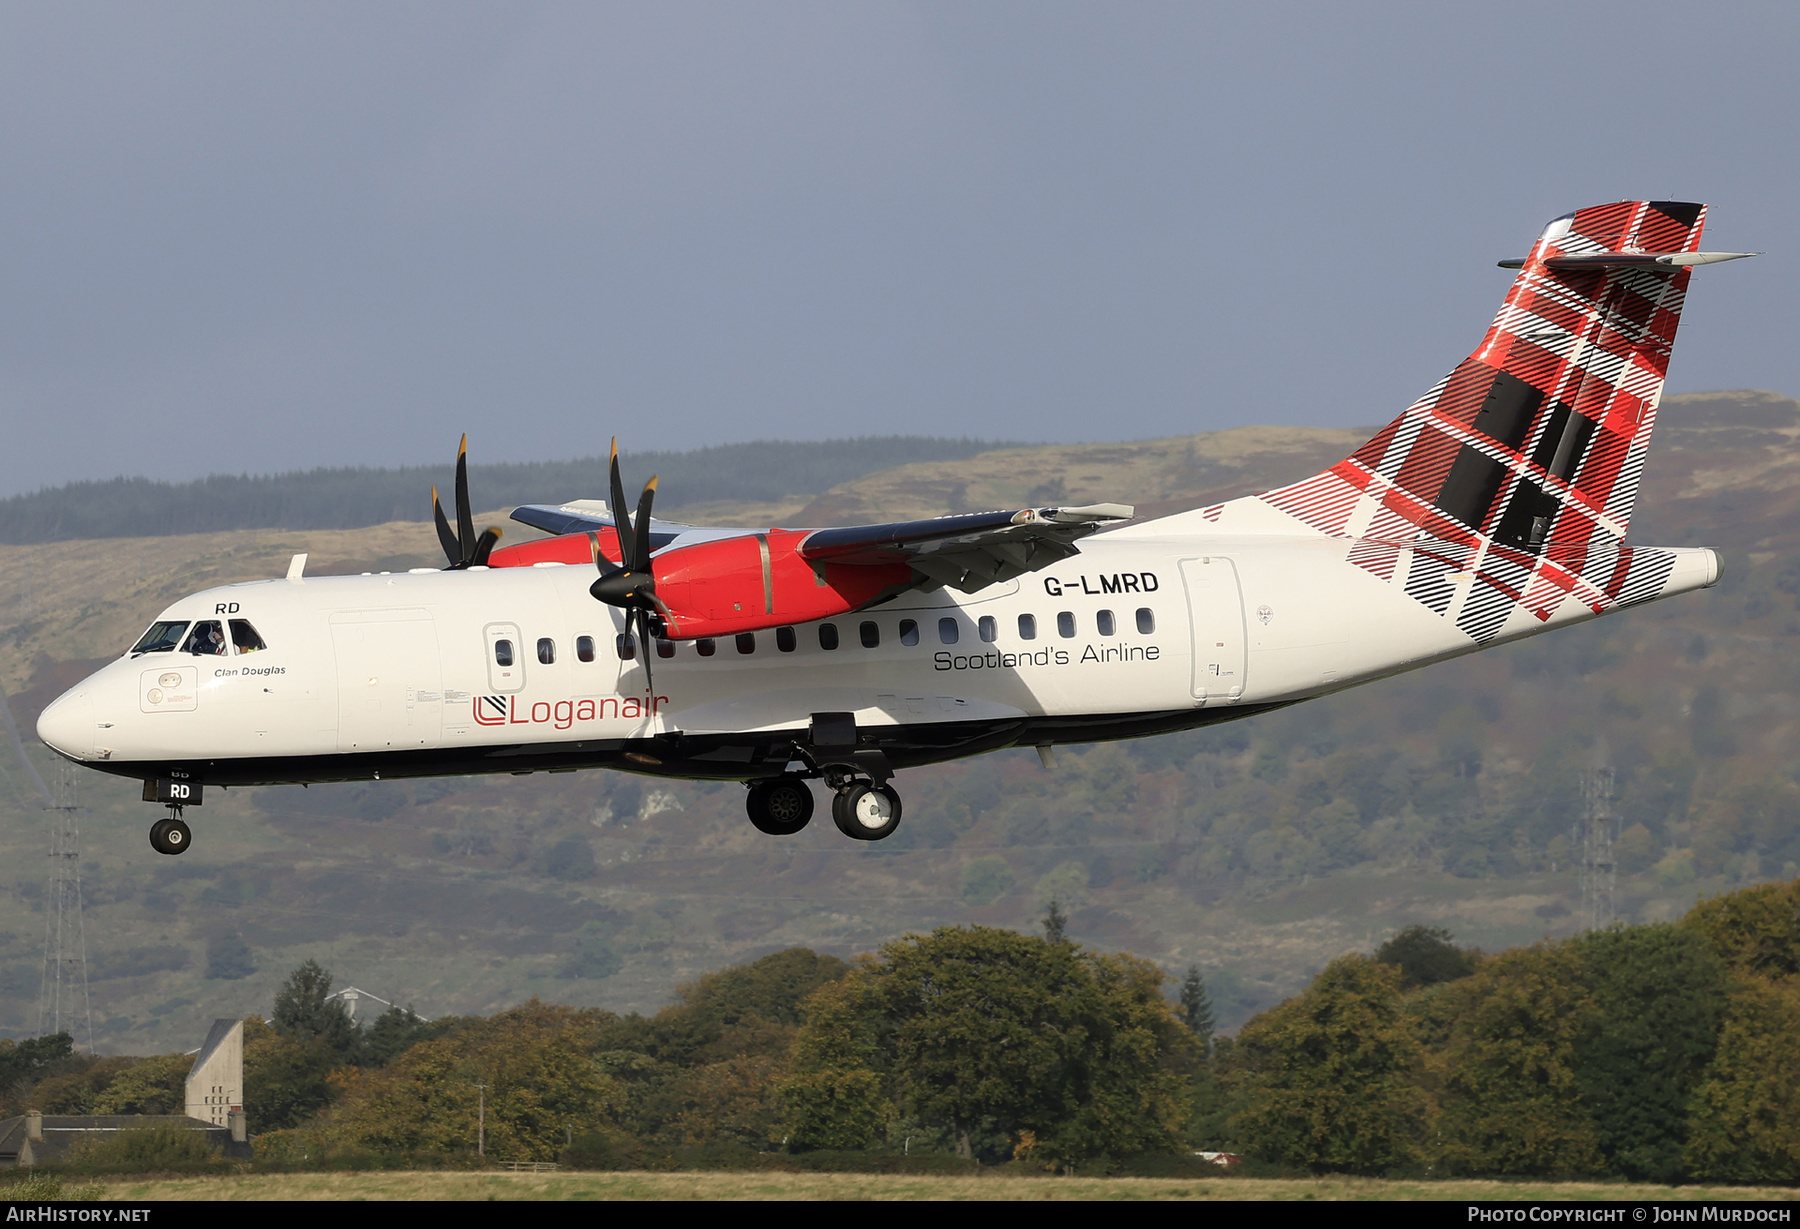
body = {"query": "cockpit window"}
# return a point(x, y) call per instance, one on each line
point(206, 640)
point(245, 638)
point(161, 638)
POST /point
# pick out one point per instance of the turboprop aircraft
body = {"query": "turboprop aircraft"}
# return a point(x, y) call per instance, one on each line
point(1493, 508)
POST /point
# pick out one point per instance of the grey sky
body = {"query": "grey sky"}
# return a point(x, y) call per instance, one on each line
point(265, 237)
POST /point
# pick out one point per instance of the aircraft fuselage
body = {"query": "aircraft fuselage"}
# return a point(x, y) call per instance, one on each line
point(1148, 629)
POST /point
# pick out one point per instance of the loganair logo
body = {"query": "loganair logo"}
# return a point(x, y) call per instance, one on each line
point(563, 714)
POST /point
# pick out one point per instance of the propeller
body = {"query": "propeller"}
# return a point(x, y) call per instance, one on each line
point(631, 585)
point(462, 547)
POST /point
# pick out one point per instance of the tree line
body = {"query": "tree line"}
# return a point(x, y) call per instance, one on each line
point(352, 497)
point(1660, 1052)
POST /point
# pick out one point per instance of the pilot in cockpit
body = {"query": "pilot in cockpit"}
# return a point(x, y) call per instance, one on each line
point(207, 640)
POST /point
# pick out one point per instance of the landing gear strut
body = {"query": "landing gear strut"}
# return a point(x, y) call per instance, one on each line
point(171, 835)
point(781, 807)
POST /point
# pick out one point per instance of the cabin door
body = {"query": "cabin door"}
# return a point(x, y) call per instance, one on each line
point(1216, 614)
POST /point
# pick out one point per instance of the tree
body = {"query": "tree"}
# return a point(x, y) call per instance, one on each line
point(593, 958)
point(1425, 956)
point(1325, 1079)
point(1756, 930)
point(1056, 922)
point(838, 1094)
point(285, 1082)
point(536, 1061)
point(1745, 1116)
point(1509, 1094)
point(986, 880)
point(155, 1085)
point(306, 1013)
point(1196, 1007)
point(993, 1033)
point(391, 1033)
point(228, 958)
point(25, 1062)
point(1660, 995)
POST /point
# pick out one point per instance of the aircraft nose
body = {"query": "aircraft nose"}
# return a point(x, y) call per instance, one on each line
point(67, 725)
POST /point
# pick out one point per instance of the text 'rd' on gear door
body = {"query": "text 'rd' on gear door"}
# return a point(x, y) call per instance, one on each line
point(389, 679)
point(1216, 607)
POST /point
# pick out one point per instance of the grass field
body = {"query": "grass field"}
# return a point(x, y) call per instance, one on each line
point(414, 1186)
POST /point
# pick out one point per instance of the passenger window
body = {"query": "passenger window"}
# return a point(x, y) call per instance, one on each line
point(245, 638)
point(1105, 621)
point(665, 648)
point(909, 632)
point(584, 648)
point(1065, 624)
point(706, 647)
point(785, 639)
point(161, 638)
point(547, 651)
point(206, 640)
point(948, 631)
point(988, 628)
point(503, 654)
point(871, 634)
point(746, 643)
point(1027, 627)
point(627, 647)
point(1146, 621)
point(828, 637)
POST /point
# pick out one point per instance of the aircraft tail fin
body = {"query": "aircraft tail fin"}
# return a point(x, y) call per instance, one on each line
point(1535, 442)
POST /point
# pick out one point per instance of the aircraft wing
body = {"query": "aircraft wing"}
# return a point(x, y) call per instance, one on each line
point(592, 515)
point(967, 552)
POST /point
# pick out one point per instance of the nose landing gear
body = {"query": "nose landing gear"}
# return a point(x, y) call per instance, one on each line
point(171, 835)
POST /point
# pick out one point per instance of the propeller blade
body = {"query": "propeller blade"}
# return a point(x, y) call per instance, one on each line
point(642, 537)
point(621, 518)
point(485, 544)
point(647, 647)
point(452, 548)
point(465, 519)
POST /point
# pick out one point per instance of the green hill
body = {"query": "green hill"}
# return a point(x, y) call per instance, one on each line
point(1258, 850)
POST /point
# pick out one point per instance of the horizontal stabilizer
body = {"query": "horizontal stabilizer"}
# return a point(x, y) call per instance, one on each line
point(1634, 260)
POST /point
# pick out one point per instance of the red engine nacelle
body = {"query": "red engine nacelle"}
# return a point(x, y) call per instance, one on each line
point(732, 585)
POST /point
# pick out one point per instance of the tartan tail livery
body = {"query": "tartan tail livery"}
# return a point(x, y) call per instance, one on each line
point(1517, 473)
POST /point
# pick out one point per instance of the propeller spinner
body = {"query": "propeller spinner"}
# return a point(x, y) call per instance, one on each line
point(462, 547)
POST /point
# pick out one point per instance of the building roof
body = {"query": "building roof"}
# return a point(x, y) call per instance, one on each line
point(63, 1131)
point(221, 1029)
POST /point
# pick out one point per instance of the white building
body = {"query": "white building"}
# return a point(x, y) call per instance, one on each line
point(215, 1083)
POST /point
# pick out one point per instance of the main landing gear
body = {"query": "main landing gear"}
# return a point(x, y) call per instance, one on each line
point(862, 810)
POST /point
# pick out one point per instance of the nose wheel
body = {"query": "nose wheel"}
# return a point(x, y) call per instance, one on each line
point(170, 836)
point(866, 812)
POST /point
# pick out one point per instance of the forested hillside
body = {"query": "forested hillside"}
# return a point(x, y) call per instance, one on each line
point(1655, 1053)
point(350, 498)
point(1259, 850)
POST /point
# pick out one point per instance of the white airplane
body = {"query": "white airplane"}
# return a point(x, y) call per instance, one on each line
point(1492, 509)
